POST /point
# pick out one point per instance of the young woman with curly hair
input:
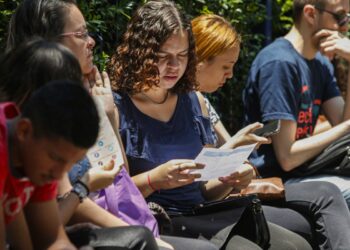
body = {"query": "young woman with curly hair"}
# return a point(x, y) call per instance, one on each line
point(162, 125)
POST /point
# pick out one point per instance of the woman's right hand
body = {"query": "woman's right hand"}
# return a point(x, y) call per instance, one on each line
point(100, 177)
point(174, 173)
point(245, 136)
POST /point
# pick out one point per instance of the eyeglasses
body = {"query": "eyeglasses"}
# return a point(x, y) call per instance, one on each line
point(341, 18)
point(79, 34)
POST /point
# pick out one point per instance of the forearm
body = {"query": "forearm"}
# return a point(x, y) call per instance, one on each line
point(301, 151)
point(18, 229)
point(142, 183)
point(89, 211)
point(222, 134)
point(62, 242)
point(215, 190)
point(67, 207)
point(114, 120)
point(346, 113)
point(2, 230)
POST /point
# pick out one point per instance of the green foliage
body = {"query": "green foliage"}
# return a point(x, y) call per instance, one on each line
point(6, 9)
point(107, 21)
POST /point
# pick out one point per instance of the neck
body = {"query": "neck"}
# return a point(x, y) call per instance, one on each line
point(302, 40)
point(13, 149)
point(155, 96)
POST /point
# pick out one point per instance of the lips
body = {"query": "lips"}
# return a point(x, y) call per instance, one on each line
point(171, 77)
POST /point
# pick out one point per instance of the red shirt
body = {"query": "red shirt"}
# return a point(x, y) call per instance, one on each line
point(16, 193)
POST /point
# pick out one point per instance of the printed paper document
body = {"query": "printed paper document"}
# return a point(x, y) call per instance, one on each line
point(222, 162)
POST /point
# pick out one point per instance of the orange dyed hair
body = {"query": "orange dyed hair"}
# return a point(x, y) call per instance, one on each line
point(213, 35)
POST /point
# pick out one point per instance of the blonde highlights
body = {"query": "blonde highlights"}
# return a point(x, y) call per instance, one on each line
point(213, 35)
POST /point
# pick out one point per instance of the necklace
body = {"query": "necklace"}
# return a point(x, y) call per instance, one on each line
point(155, 102)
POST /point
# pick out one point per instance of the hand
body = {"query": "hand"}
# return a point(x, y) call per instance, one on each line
point(174, 173)
point(100, 177)
point(163, 244)
point(100, 86)
point(62, 244)
point(245, 136)
point(333, 43)
point(240, 179)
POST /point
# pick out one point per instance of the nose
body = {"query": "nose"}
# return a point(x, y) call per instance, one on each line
point(173, 62)
point(229, 75)
point(91, 42)
point(344, 28)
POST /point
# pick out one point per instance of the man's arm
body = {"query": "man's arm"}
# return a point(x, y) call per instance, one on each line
point(292, 153)
point(335, 43)
point(18, 229)
point(2, 230)
point(334, 110)
point(73, 211)
point(45, 226)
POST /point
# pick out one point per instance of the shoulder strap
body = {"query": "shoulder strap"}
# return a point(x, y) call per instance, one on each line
point(201, 101)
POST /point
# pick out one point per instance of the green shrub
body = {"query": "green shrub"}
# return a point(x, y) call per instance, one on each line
point(107, 22)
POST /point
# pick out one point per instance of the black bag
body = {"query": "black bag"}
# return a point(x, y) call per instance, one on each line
point(251, 225)
point(334, 160)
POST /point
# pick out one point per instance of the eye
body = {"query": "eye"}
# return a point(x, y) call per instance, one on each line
point(162, 56)
point(55, 157)
point(183, 55)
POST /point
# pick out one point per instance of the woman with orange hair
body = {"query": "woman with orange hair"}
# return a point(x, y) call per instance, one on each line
point(217, 49)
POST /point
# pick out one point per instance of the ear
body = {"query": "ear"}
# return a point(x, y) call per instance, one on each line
point(24, 129)
point(309, 13)
point(200, 66)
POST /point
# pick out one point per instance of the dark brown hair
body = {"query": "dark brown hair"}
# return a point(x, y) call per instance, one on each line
point(33, 18)
point(133, 66)
point(298, 7)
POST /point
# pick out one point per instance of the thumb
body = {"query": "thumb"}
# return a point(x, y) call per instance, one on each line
point(109, 166)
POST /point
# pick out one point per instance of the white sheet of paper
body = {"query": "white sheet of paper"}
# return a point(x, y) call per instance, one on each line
point(222, 162)
point(107, 146)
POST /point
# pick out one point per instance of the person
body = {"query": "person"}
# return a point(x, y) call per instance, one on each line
point(49, 61)
point(296, 74)
point(217, 49)
point(37, 148)
point(162, 125)
point(64, 18)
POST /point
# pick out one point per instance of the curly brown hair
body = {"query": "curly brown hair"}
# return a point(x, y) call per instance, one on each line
point(133, 66)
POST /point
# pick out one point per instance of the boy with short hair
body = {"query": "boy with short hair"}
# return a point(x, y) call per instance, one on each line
point(57, 126)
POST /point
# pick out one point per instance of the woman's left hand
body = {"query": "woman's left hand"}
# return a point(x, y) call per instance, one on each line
point(100, 86)
point(246, 136)
point(239, 179)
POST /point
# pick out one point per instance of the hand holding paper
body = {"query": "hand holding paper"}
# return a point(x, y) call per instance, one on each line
point(222, 162)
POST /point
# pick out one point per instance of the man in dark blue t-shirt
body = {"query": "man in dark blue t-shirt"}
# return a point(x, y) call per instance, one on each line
point(292, 80)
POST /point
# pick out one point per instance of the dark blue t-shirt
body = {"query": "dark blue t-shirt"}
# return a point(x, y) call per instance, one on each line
point(284, 85)
point(149, 143)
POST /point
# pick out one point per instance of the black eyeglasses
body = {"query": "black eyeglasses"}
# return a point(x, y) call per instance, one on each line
point(341, 18)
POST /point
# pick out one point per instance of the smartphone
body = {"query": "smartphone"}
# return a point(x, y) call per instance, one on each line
point(270, 128)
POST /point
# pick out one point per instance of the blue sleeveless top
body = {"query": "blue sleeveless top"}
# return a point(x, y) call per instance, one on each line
point(149, 143)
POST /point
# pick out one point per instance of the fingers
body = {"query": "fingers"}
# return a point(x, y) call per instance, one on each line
point(109, 166)
point(98, 78)
point(324, 33)
point(254, 126)
point(106, 81)
point(86, 84)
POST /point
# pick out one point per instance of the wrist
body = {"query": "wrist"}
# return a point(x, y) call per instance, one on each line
point(81, 190)
point(150, 182)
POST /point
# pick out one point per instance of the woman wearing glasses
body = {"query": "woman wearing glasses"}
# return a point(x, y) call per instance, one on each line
point(62, 21)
